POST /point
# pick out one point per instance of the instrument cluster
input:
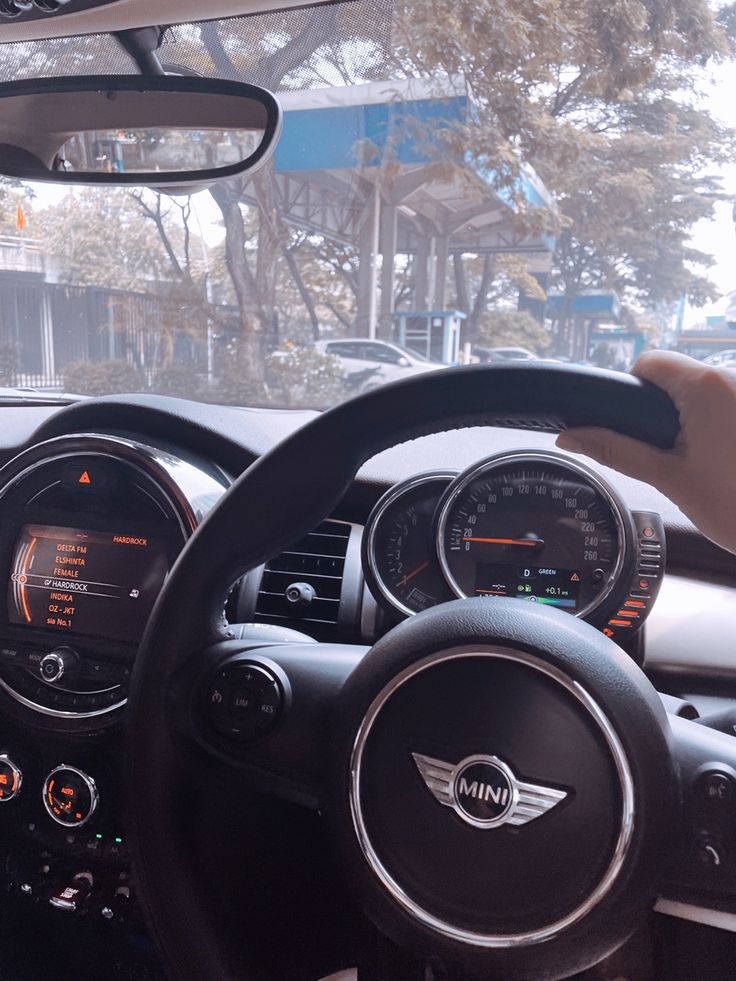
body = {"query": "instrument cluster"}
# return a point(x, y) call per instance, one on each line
point(535, 526)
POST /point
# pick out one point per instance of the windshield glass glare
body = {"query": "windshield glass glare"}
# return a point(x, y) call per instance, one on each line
point(480, 183)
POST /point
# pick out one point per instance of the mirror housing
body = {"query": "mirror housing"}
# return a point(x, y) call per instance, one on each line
point(164, 131)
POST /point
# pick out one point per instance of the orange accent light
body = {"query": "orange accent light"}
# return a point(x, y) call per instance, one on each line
point(4, 779)
point(628, 613)
point(638, 603)
point(85, 478)
point(620, 623)
point(67, 791)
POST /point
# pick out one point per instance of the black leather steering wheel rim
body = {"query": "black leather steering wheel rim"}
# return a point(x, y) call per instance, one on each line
point(281, 497)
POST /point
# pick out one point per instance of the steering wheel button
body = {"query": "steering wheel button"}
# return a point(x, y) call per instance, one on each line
point(716, 787)
point(243, 701)
point(269, 708)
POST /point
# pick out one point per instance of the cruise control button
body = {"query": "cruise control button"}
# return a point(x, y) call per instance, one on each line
point(243, 701)
point(716, 787)
point(269, 707)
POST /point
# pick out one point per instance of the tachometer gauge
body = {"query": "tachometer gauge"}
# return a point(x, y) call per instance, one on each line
point(534, 526)
point(399, 549)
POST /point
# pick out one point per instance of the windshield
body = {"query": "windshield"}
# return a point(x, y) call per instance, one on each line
point(479, 183)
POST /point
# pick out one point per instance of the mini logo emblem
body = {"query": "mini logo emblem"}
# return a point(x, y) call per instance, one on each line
point(484, 792)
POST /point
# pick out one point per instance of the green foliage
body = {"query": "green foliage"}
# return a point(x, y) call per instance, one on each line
point(183, 381)
point(103, 237)
point(513, 328)
point(235, 388)
point(303, 377)
point(604, 100)
point(102, 378)
point(8, 364)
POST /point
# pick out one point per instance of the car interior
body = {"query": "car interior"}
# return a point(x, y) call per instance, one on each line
point(270, 707)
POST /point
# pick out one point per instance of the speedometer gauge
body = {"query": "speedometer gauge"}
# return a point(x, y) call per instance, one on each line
point(534, 526)
point(399, 551)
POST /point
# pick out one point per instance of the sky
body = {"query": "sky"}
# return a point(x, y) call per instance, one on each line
point(718, 237)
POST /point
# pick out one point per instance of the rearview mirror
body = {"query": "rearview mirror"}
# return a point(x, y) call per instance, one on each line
point(159, 131)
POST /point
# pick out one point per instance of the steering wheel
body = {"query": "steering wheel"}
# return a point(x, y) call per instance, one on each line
point(500, 783)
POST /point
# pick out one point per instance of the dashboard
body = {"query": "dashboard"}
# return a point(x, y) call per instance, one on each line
point(98, 499)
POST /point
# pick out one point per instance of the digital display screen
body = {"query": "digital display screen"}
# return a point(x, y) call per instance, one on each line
point(98, 583)
point(553, 587)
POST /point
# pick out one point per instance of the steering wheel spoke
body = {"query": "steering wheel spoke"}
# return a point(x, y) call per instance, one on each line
point(702, 874)
point(267, 709)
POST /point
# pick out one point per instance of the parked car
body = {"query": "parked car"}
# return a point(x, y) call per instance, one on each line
point(373, 362)
point(490, 355)
point(723, 359)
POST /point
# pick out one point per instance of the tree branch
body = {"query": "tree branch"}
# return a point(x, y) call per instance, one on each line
point(302, 288)
point(157, 217)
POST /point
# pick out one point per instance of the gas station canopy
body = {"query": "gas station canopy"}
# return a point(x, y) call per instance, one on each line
point(376, 166)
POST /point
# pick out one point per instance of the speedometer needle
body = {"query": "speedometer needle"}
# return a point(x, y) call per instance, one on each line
point(526, 542)
point(414, 572)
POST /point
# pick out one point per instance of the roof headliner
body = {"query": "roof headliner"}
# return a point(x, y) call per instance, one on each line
point(126, 14)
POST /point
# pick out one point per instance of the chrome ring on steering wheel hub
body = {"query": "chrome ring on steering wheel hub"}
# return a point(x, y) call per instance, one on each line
point(479, 777)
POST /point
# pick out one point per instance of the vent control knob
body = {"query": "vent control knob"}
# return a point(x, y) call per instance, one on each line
point(300, 594)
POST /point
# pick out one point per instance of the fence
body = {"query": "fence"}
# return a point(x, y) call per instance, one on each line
point(45, 327)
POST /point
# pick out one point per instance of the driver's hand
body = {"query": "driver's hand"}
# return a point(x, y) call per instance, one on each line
point(699, 473)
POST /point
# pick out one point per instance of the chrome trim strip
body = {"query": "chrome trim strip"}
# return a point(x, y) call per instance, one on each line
point(535, 456)
point(392, 495)
point(697, 914)
point(94, 794)
point(397, 892)
point(57, 713)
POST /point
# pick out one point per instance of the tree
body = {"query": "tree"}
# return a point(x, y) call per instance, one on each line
point(513, 328)
point(629, 207)
point(104, 238)
point(602, 101)
point(99, 238)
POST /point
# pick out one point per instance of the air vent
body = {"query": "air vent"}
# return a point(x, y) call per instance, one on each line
point(303, 585)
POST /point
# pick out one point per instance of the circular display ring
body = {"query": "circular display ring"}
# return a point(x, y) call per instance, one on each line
point(399, 545)
point(536, 526)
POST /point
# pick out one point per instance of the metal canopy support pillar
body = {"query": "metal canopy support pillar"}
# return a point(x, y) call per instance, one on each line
point(440, 273)
point(421, 276)
point(48, 352)
point(369, 225)
point(388, 268)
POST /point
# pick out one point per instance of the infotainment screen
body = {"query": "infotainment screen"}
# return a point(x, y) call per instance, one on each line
point(98, 583)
